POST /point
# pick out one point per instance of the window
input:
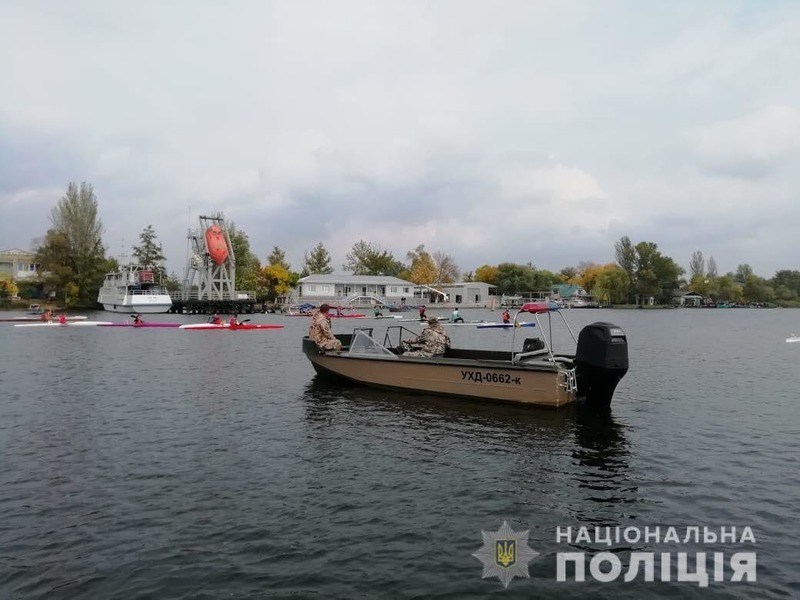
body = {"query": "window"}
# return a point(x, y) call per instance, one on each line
point(406, 290)
point(310, 287)
point(22, 267)
point(393, 289)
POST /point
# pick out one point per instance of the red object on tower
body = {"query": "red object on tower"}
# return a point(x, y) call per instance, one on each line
point(216, 244)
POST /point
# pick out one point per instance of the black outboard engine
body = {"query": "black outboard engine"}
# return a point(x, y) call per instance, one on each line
point(601, 360)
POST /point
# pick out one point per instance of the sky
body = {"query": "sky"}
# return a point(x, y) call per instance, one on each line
point(514, 131)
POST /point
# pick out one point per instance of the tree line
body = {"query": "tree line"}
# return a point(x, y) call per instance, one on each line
point(73, 263)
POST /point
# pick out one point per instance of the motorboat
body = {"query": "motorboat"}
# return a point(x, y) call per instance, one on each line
point(536, 374)
point(132, 289)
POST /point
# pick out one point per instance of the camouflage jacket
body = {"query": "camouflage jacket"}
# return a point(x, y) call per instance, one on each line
point(433, 341)
point(320, 332)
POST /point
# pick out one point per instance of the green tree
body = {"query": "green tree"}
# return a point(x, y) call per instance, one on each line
point(651, 274)
point(786, 285)
point(697, 265)
point(149, 253)
point(317, 261)
point(743, 272)
point(248, 267)
point(626, 258)
point(756, 289)
point(278, 257)
point(72, 251)
point(712, 267)
point(612, 285)
point(366, 259)
point(514, 279)
point(726, 289)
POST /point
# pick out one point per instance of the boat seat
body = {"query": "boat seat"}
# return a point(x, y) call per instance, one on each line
point(531, 344)
point(526, 355)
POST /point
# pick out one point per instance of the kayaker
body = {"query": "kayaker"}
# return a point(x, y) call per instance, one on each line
point(456, 317)
point(378, 312)
point(137, 320)
point(506, 317)
point(62, 318)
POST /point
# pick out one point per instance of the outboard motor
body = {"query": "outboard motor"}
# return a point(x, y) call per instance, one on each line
point(601, 360)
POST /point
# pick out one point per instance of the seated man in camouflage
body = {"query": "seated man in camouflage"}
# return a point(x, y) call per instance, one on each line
point(320, 330)
point(433, 341)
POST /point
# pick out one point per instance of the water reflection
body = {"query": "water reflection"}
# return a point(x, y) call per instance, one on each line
point(326, 400)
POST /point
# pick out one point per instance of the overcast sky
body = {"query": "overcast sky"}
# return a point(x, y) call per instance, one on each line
point(492, 131)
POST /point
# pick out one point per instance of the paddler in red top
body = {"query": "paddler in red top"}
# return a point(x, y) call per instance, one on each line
point(62, 318)
point(234, 321)
point(137, 320)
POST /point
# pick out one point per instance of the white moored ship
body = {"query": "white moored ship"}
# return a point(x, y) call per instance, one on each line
point(132, 289)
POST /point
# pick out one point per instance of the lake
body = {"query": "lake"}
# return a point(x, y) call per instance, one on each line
point(195, 464)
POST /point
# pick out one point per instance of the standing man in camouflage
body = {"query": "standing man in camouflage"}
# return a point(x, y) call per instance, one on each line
point(433, 341)
point(320, 330)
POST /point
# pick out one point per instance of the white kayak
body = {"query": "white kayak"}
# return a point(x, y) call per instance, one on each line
point(67, 324)
point(793, 338)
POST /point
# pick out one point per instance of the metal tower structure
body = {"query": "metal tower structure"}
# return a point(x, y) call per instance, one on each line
point(214, 278)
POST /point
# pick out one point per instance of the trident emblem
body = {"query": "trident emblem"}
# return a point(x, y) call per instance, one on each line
point(506, 552)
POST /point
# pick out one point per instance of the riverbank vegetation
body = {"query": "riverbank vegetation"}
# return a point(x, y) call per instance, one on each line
point(73, 262)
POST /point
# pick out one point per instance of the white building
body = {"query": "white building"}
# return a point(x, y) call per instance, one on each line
point(471, 293)
point(362, 290)
point(18, 265)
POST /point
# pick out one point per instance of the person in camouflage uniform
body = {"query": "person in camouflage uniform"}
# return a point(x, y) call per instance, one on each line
point(433, 341)
point(320, 330)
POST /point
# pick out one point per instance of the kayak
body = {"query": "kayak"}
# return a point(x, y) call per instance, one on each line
point(141, 325)
point(67, 324)
point(212, 326)
point(34, 319)
point(504, 325)
point(330, 315)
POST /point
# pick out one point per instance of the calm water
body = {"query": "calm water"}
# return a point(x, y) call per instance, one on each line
point(178, 464)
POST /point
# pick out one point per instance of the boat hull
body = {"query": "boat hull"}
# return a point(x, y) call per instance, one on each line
point(67, 324)
point(540, 385)
point(146, 305)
